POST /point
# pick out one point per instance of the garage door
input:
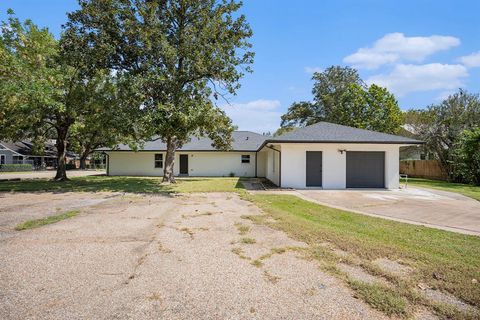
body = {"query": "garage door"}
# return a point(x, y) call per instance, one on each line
point(314, 169)
point(365, 169)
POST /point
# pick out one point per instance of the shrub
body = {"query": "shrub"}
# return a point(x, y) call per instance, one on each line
point(15, 167)
point(70, 166)
point(466, 164)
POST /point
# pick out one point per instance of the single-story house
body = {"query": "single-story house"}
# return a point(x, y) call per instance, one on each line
point(22, 152)
point(322, 155)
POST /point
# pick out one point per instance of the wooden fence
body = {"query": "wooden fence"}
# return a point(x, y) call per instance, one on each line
point(429, 169)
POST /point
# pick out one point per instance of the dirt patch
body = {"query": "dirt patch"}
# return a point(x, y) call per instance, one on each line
point(393, 267)
point(444, 298)
point(357, 273)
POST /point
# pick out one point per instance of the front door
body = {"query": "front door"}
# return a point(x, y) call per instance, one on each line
point(184, 164)
point(314, 169)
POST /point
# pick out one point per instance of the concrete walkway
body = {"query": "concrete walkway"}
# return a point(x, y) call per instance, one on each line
point(421, 206)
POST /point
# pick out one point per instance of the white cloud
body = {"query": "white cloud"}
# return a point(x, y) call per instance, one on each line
point(395, 47)
point(312, 69)
point(258, 115)
point(471, 60)
point(444, 95)
point(405, 78)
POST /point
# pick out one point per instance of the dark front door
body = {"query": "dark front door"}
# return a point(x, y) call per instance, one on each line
point(314, 169)
point(365, 169)
point(184, 164)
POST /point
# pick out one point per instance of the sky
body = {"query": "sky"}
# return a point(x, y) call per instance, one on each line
point(421, 50)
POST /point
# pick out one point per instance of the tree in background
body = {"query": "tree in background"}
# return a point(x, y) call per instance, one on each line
point(441, 126)
point(181, 53)
point(341, 97)
point(108, 120)
point(466, 157)
point(42, 94)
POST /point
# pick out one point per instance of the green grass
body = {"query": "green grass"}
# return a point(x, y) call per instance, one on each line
point(246, 240)
point(465, 189)
point(124, 184)
point(381, 298)
point(30, 224)
point(456, 257)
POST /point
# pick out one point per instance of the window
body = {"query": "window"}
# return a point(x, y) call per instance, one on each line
point(2, 159)
point(158, 160)
point(17, 159)
point(245, 158)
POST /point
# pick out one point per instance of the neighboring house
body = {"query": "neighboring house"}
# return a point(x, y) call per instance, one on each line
point(323, 155)
point(22, 153)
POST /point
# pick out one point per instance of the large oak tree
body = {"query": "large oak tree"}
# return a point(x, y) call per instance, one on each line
point(44, 93)
point(183, 54)
point(340, 96)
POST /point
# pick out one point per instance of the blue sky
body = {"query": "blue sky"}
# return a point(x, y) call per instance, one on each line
point(421, 50)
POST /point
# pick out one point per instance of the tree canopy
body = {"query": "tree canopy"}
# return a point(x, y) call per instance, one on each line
point(182, 53)
point(442, 126)
point(340, 96)
point(43, 94)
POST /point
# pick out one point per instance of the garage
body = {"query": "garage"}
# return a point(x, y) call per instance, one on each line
point(365, 169)
point(314, 169)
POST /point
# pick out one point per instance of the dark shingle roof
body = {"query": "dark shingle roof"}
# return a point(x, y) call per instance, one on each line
point(330, 132)
point(242, 141)
point(322, 132)
point(25, 148)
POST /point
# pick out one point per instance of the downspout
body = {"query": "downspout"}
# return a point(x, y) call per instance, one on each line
point(279, 165)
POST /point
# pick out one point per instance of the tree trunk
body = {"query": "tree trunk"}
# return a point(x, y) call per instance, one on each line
point(83, 158)
point(61, 153)
point(169, 161)
point(83, 162)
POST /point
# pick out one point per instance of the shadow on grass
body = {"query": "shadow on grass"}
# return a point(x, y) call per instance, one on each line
point(123, 184)
point(88, 184)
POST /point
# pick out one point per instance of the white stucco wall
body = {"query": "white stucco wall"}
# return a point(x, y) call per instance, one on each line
point(272, 165)
point(334, 163)
point(199, 164)
point(262, 164)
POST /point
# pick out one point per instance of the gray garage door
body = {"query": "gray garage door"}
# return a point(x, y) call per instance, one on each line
point(314, 169)
point(365, 169)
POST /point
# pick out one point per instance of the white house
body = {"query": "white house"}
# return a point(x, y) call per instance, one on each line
point(323, 155)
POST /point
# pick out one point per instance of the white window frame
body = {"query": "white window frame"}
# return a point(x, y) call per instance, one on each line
point(155, 161)
point(245, 158)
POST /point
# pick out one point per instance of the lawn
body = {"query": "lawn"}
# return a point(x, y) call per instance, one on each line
point(465, 189)
point(444, 260)
point(124, 184)
point(31, 224)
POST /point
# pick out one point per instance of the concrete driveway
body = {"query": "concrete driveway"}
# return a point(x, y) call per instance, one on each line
point(434, 208)
point(158, 257)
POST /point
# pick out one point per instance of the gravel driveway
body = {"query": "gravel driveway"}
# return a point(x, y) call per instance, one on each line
point(162, 257)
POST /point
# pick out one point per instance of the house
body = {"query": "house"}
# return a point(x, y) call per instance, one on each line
point(322, 155)
point(22, 152)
